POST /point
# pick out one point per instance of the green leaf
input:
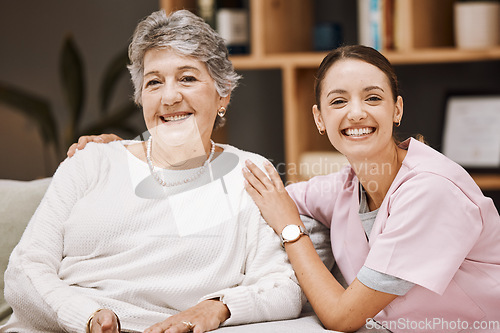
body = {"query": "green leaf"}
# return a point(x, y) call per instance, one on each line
point(115, 120)
point(72, 79)
point(112, 75)
point(36, 108)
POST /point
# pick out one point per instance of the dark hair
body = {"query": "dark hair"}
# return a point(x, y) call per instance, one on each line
point(359, 52)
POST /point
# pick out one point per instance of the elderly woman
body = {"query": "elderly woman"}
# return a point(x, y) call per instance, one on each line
point(411, 232)
point(155, 236)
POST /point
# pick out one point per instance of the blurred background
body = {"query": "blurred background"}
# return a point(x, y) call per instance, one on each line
point(62, 75)
point(36, 38)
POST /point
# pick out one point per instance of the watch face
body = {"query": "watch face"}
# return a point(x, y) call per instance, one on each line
point(291, 232)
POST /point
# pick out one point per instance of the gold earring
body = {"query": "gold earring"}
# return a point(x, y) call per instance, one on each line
point(398, 123)
point(321, 131)
point(221, 112)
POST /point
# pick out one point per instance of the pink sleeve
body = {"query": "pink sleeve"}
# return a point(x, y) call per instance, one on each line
point(316, 198)
point(431, 227)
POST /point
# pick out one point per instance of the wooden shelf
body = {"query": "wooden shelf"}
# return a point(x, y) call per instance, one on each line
point(487, 182)
point(416, 56)
point(441, 55)
point(278, 41)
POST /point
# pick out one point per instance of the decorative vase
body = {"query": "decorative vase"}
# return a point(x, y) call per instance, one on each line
point(477, 24)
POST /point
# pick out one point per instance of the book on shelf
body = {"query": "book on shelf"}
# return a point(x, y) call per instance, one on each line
point(376, 23)
point(402, 20)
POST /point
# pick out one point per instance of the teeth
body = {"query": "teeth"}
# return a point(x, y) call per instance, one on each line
point(358, 131)
point(174, 118)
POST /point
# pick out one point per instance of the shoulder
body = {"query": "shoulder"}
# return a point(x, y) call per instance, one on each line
point(94, 158)
point(326, 184)
point(423, 158)
point(100, 150)
point(426, 183)
point(93, 149)
point(86, 157)
point(243, 155)
point(428, 169)
point(431, 196)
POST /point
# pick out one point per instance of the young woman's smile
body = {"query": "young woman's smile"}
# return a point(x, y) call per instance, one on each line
point(358, 132)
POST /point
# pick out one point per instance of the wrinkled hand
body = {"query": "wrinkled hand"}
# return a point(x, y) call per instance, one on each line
point(269, 194)
point(204, 316)
point(83, 140)
point(104, 321)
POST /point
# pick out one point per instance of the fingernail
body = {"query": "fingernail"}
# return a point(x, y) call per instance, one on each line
point(248, 162)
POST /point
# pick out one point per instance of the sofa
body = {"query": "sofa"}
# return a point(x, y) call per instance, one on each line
point(19, 200)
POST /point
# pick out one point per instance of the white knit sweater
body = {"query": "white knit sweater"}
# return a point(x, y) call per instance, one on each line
point(106, 235)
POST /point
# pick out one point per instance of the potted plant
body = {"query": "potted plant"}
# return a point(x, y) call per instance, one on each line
point(39, 109)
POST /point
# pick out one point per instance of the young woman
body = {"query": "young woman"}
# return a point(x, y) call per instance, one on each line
point(413, 235)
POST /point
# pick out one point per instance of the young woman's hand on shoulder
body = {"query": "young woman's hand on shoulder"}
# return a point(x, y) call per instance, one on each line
point(83, 140)
point(270, 195)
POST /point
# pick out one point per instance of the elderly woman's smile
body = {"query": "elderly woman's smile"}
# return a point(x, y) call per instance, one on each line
point(175, 117)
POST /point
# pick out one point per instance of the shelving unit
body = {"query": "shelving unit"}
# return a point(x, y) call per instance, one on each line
point(281, 33)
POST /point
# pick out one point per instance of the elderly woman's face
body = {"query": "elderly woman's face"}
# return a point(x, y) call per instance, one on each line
point(179, 98)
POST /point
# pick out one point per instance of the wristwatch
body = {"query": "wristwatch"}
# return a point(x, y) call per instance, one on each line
point(292, 233)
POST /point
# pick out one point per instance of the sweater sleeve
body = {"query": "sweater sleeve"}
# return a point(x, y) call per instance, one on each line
point(269, 289)
point(39, 298)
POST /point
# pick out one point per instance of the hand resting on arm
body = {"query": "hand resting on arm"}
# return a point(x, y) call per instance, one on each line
point(337, 308)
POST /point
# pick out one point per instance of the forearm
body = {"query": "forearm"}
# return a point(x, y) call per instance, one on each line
point(269, 289)
point(272, 298)
point(321, 288)
point(47, 303)
point(338, 309)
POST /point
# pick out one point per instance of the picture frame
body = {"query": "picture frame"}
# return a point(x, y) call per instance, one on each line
point(471, 133)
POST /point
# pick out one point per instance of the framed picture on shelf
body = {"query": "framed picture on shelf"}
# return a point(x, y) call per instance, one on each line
point(471, 134)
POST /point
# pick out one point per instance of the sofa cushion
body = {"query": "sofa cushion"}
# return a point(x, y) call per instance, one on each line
point(18, 202)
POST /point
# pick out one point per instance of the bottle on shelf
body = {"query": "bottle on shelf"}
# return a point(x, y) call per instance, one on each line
point(206, 10)
point(231, 23)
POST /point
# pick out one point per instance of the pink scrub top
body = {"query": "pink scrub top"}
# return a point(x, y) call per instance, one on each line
point(434, 228)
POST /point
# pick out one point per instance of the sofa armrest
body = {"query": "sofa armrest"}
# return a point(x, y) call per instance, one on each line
point(5, 312)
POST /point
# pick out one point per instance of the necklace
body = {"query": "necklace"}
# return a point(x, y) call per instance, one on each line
point(161, 181)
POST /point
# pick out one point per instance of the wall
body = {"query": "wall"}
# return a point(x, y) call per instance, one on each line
point(425, 88)
point(31, 35)
point(255, 115)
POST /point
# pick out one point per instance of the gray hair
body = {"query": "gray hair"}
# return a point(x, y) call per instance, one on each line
point(189, 35)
